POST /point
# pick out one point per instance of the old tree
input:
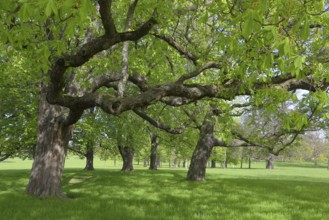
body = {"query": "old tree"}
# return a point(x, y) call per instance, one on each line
point(180, 52)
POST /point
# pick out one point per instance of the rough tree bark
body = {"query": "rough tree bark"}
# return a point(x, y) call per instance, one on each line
point(202, 151)
point(153, 155)
point(270, 162)
point(127, 155)
point(49, 158)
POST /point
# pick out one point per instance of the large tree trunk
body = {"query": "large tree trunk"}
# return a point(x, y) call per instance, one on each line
point(201, 154)
point(127, 155)
point(153, 155)
point(249, 162)
point(49, 158)
point(90, 158)
point(270, 162)
point(202, 151)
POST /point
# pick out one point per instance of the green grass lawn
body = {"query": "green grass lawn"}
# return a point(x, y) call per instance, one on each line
point(288, 192)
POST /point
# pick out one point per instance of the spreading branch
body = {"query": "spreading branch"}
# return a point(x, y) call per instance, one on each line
point(158, 124)
point(196, 72)
point(180, 49)
point(106, 17)
point(5, 156)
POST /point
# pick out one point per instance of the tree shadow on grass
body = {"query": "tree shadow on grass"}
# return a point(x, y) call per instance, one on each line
point(165, 194)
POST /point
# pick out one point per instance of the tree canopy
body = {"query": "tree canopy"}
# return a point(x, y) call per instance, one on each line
point(138, 57)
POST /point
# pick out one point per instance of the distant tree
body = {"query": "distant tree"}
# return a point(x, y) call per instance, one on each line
point(86, 136)
point(318, 147)
point(18, 106)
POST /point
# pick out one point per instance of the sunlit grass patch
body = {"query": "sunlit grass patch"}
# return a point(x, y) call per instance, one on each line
point(284, 193)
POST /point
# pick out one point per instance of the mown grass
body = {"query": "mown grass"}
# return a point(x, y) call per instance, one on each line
point(287, 192)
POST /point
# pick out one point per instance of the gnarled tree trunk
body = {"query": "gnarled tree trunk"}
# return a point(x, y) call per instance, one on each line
point(49, 158)
point(127, 155)
point(153, 155)
point(202, 151)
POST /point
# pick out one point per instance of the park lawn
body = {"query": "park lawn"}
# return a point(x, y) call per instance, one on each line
point(288, 192)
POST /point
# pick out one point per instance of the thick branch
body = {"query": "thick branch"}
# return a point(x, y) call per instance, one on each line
point(192, 92)
point(73, 117)
point(105, 42)
point(104, 80)
point(85, 52)
point(140, 81)
point(139, 33)
point(106, 16)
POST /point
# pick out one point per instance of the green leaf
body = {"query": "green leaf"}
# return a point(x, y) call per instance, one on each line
point(286, 46)
point(268, 61)
point(51, 8)
point(305, 31)
point(281, 64)
point(283, 46)
point(247, 26)
point(298, 63)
